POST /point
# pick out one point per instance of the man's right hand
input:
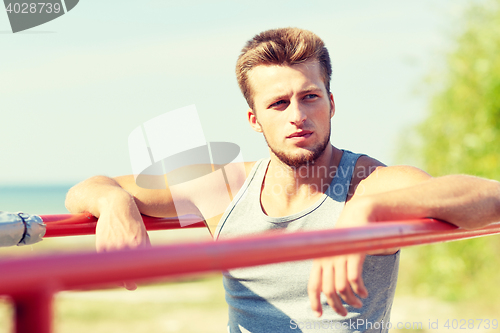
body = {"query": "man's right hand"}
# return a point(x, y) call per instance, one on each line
point(119, 224)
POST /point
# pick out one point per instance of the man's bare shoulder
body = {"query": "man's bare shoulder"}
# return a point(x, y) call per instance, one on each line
point(248, 167)
point(365, 166)
point(372, 176)
point(237, 169)
point(237, 173)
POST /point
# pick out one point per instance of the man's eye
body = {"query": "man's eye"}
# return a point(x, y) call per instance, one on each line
point(311, 96)
point(277, 103)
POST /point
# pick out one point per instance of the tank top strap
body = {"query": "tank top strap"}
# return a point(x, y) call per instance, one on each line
point(339, 187)
point(256, 174)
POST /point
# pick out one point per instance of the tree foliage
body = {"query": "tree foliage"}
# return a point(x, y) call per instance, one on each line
point(462, 132)
point(462, 135)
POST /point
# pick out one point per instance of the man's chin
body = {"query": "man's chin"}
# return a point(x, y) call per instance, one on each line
point(301, 156)
point(297, 160)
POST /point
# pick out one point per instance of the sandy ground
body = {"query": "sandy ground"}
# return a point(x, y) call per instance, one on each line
point(436, 316)
point(198, 306)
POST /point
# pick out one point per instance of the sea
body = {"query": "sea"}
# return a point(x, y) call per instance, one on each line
point(34, 199)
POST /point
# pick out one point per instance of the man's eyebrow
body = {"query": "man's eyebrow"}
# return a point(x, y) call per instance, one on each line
point(307, 90)
point(310, 89)
point(276, 98)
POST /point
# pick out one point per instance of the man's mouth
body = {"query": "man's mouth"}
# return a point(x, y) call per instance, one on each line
point(300, 134)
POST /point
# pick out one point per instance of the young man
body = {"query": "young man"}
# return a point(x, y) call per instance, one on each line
point(307, 184)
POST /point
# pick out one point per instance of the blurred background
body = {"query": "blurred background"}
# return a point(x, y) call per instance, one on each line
point(414, 83)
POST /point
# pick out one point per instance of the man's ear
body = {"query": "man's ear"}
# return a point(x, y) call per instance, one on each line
point(252, 119)
point(332, 103)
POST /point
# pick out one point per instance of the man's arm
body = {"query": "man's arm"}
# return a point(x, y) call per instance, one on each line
point(118, 204)
point(466, 201)
point(398, 193)
point(119, 220)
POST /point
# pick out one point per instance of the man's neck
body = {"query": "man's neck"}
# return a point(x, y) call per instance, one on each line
point(291, 188)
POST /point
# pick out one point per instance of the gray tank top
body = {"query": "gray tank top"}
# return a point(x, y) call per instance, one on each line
point(273, 298)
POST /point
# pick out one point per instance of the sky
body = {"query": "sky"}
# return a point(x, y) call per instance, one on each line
point(72, 90)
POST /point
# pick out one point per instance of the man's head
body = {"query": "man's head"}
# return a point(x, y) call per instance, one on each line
point(284, 75)
point(286, 46)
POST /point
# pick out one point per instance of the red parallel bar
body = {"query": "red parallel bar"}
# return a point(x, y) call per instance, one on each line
point(96, 270)
point(84, 224)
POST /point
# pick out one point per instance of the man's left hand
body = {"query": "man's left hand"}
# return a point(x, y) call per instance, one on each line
point(341, 277)
point(337, 276)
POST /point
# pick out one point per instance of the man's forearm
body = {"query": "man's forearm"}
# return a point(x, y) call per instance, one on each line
point(95, 193)
point(466, 201)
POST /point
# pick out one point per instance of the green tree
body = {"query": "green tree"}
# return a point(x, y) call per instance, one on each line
point(462, 135)
point(462, 132)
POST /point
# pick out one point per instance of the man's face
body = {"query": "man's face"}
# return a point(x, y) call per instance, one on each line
point(292, 109)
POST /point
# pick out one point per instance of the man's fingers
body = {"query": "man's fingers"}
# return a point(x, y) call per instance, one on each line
point(342, 284)
point(355, 274)
point(330, 291)
point(130, 286)
point(314, 288)
point(339, 277)
point(127, 285)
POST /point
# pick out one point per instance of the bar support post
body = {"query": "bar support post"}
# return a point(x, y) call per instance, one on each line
point(33, 312)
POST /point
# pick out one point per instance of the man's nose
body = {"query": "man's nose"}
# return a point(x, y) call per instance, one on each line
point(297, 114)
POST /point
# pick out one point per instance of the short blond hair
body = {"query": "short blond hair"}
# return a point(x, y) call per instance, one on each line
point(285, 46)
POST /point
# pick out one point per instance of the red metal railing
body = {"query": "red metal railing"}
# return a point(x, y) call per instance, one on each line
point(32, 282)
point(84, 224)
